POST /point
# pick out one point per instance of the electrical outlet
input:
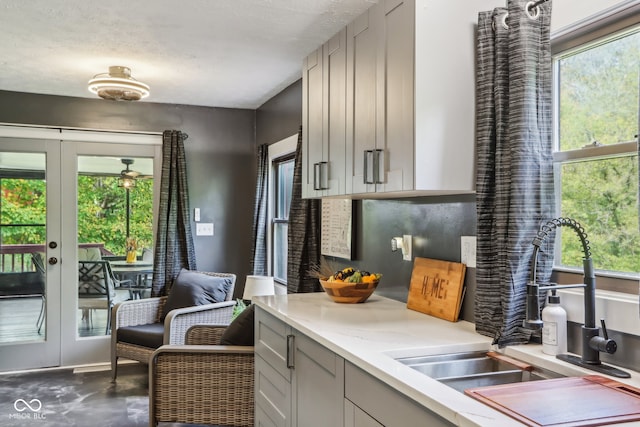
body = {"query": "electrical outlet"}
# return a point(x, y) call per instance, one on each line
point(468, 251)
point(204, 229)
point(407, 247)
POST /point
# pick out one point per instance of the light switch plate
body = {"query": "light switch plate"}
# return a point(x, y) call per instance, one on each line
point(204, 229)
point(468, 251)
point(196, 214)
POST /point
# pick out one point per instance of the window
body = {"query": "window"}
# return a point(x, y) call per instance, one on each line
point(283, 170)
point(282, 161)
point(596, 159)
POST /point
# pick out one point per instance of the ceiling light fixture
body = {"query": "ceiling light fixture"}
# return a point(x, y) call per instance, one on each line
point(118, 85)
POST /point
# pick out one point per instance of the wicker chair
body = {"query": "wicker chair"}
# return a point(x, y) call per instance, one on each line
point(201, 383)
point(147, 311)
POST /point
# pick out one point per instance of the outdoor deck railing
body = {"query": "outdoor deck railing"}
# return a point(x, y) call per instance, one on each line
point(17, 258)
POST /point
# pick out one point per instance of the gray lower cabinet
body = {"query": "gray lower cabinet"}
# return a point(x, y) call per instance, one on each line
point(298, 381)
point(356, 417)
point(301, 383)
point(377, 404)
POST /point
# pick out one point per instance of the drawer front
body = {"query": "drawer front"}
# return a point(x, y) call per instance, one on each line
point(271, 341)
point(273, 396)
point(385, 404)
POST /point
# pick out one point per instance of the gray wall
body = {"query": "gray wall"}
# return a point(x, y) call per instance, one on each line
point(281, 116)
point(220, 155)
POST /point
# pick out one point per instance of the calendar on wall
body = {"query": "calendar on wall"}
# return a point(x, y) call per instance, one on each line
point(337, 228)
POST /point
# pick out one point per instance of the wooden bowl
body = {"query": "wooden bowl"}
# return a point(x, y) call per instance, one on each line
point(350, 293)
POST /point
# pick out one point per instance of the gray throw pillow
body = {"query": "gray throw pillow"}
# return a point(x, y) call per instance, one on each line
point(240, 331)
point(192, 288)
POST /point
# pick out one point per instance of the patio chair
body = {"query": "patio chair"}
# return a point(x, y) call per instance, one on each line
point(141, 326)
point(38, 262)
point(203, 382)
point(97, 290)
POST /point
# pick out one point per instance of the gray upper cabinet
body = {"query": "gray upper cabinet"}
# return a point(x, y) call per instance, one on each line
point(314, 153)
point(324, 117)
point(410, 101)
point(361, 101)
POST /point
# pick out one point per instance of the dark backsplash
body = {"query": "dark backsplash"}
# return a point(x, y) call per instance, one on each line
point(436, 224)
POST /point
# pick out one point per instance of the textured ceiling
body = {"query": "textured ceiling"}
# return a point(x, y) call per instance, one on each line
point(219, 53)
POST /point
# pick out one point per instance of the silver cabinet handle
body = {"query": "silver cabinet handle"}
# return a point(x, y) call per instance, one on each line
point(368, 167)
point(324, 175)
point(290, 347)
point(316, 176)
point(321, 176)
point(378, 166)
point(374, 166)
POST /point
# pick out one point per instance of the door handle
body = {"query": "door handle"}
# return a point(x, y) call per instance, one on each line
point(53, 260)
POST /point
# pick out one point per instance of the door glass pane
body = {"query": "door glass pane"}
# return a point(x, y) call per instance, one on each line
point(115, 217)
point(23, 211)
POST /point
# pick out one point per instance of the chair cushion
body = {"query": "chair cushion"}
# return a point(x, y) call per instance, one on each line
point(89, 254)
point(241, 330)
point(192, 288)
point(150, 335)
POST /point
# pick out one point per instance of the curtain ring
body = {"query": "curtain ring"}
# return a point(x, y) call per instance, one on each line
point(503, 22)
point(532, 10)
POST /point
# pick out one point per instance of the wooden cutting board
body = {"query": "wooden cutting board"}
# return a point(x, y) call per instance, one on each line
point(437, 288)
point(564, 402)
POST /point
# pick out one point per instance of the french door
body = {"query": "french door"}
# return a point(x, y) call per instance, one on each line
point(54, 331)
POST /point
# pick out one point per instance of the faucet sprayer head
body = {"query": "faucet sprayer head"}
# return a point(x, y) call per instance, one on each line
point(532, 318)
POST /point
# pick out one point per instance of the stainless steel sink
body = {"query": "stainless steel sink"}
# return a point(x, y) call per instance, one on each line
point(476, 369)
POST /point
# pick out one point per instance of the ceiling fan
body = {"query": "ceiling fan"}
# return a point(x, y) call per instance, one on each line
point(128, 177)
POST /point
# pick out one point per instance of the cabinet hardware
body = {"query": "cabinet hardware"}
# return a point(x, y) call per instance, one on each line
point(321, 176)
point(378, 166)
point(290, 346)
point(316, 176)
point(374, 166)
point(368, 167)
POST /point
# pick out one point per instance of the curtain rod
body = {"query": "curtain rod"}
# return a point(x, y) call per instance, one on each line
point(535, 4)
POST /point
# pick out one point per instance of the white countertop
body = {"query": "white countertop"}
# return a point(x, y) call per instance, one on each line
point(372, 334)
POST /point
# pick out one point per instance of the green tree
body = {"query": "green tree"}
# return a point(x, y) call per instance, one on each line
point(599, 101)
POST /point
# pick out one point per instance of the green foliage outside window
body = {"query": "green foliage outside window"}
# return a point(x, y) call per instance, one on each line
point(101, 212)
point(599, 101)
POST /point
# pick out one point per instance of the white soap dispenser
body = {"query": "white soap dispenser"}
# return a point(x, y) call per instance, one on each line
point(554, 328)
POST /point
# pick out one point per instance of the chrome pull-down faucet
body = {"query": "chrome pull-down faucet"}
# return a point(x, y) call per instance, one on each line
point(592, 342)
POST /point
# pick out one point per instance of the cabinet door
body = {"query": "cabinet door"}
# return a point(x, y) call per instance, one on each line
point(334, 113)
point(356, 417)
point(395, 102)
point(383, 403)
point(318, 386)
point(272, 373)
point(361, 100)
point(313, 150)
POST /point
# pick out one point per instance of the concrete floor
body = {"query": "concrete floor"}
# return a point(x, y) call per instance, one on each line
point(82, 398)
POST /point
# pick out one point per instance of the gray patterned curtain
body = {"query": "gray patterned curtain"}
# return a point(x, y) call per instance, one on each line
point(514, 179)
point(303, 235)
point(174, 243)
point(259, 249)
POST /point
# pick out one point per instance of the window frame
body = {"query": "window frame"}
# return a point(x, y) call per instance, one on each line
point(573, 39)
point(280, 150)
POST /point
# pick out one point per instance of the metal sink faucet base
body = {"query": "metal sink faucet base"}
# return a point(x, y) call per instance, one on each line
point(592, 342)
